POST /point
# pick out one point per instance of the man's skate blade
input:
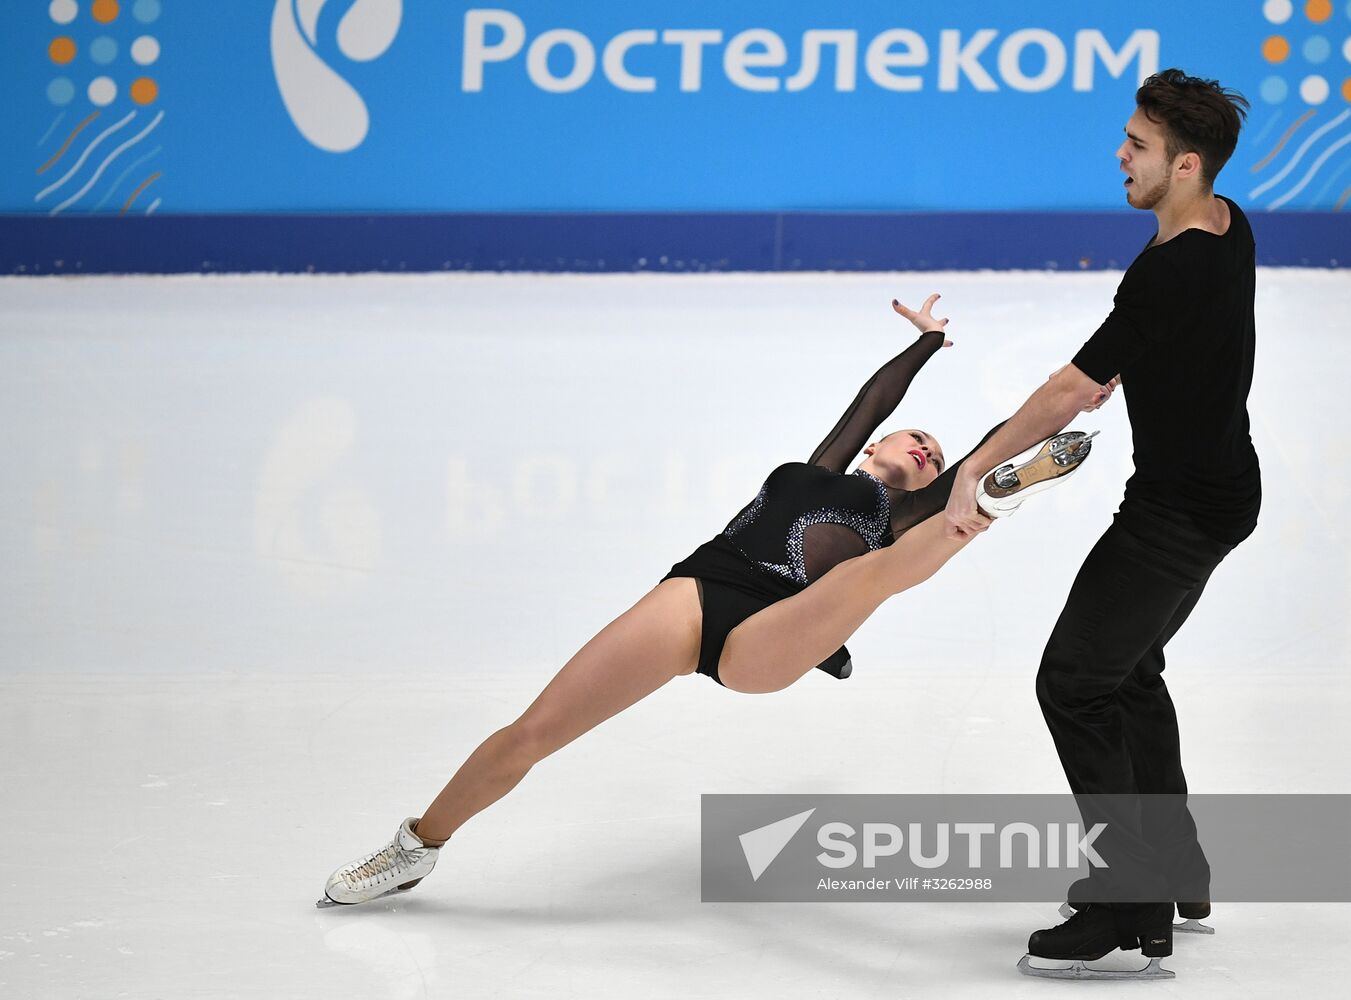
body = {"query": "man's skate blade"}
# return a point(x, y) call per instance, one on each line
point(1193, 926)
point(1079, 971)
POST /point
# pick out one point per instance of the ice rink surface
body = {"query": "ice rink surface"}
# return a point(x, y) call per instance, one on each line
point(280, 552)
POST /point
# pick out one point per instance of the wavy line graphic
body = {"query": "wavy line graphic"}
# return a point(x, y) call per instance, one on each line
point(123, 176)
point(126, 207)
point(1257, 167)
point(1266, 129)
point(153, 205)
point(1333, 179)
point(1342, 200)
point(1317, 164)
point(104, 165)
point(66, 145)
point(1299, 155)
point(52, 128)
point(84, 156)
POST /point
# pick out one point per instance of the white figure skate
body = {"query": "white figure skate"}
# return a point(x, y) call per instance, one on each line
point(1003, 490)
point(401, 864)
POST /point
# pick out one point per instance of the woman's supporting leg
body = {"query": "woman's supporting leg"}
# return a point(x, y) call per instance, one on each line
point(638, 652)
point(774, 647)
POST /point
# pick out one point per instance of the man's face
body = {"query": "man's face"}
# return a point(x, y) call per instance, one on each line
point(1148, 171)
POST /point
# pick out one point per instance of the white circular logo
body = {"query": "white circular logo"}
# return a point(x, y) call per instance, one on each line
point(326, 109)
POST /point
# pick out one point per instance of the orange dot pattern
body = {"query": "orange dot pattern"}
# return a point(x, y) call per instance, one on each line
point(1275, 49)
point(62, 50)
point(104, 11)
point(144, 90)
point(1346, 89)
point(1318, 11)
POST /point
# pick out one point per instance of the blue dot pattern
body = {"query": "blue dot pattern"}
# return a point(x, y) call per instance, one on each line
point(1274, 89)
point(103, 50)
point(61, 91)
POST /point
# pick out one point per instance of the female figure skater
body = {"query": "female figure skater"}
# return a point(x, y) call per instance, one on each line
point(773, 595)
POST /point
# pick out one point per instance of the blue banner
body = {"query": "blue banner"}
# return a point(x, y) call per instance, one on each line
point(379, 106)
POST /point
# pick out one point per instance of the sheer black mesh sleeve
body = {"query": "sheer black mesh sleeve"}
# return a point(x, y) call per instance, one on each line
point(874, 403)
point(910, 508)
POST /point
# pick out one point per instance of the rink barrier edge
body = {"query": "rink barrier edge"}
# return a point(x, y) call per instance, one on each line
point(618, 242)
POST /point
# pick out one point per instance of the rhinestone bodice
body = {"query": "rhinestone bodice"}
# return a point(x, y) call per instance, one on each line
point(807, 519)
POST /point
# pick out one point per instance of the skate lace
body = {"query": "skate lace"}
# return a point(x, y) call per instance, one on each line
point(390, 860)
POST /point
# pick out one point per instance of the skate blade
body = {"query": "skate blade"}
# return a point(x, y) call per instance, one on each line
point(1078, 970)
point(326, 902)
point(1193, 926)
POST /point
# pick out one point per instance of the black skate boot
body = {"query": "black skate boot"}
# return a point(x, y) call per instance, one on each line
point(1096, 931)
point(1077, 897)
point(1192, 914)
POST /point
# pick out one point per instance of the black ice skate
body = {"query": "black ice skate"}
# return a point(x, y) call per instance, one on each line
point(1191, 913)
point(1096, 931)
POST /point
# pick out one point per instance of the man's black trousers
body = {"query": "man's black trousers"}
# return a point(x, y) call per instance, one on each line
point(1102, 692)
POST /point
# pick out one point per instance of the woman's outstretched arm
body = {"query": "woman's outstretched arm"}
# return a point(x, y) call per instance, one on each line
point(881, 394)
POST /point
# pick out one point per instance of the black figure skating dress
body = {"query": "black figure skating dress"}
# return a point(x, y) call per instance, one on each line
point(810, 516)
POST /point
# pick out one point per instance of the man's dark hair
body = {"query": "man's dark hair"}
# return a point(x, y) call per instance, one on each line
point(1197, 116)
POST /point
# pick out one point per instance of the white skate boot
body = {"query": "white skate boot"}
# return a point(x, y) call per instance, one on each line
point(1003, 490)
point(401, 864)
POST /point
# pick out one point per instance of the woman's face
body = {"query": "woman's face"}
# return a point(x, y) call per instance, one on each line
point(908, 459)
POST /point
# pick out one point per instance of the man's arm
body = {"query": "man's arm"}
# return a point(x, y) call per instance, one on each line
point(1045, 413)
point(1149, 291)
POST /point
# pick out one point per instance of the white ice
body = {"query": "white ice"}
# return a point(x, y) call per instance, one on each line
point(276, 554)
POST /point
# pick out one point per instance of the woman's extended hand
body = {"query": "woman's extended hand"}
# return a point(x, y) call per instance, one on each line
point(924, 319)
point(1103, 394)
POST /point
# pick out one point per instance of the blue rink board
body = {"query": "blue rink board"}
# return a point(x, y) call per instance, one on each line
point(598, 242)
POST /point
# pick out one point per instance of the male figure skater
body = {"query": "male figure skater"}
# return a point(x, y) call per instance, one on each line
point(1180, 336)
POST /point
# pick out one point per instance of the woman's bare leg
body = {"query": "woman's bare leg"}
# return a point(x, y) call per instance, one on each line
point(774, 647)
point(638, 652)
